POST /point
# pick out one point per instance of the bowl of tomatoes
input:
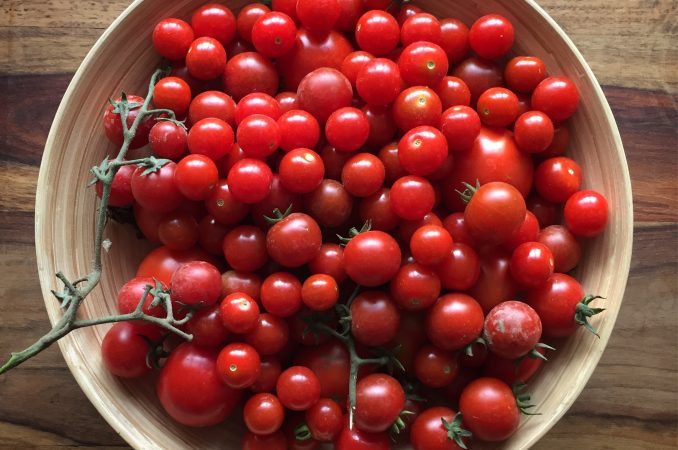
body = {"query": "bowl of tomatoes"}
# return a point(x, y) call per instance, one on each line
point(354, 223)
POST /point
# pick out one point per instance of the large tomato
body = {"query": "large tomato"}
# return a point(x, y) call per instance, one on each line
point(195, 404)
point(494, 157)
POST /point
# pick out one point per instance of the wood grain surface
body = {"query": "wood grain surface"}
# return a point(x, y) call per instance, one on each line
point(630, 402)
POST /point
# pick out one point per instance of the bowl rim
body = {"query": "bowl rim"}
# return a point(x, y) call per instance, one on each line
point(47, 278)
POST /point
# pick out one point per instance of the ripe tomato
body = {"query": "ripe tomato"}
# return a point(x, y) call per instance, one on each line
point(422, 150)
point(453, 92)
point(454, 321)
point(250, 180)
point(533, 132)
point(196, 177)
point(318, 16)
point(556, 179)
point(298, 129)
point(172, 38)
point(298, 388)
point(156, 191)
point(245, 248)
point(461, 126)
point(420, 27)
point(429, 432)
point(531, 264)
point(320, 292)
point(490, 410)
point(495, 283)
point(225, 209)
point(382, 126)
point(330, 362)
point(423, 64)
point(301, 170)
point(294, 241)
point(239, 312)
point(456, 226)
point(377, 32)
point(313, 89)
point(347, 129)
point(287, 101)
point(250, 72)
point(586, 213)
point(547, 213)
point(460, 270)
point(527, 232)
point(374, 318)
point(491, 36)
point(325, 420)
point(125, 348)
point(269, 335)
point(247, 17)
point(493, 157)
point(273, 34)
point(168, 140)
point(206, 58)
point(263, 414)
point(238, 365)
point(281, 294)
point(329, 204)
point(363, 175)
point(178, 230)
point(431, 244)
point(417, 106)
point(269, 372)
point(389, 156)
point(498, 107)
point(372, 258)
point(524, 73)
point(172, 93)
point(479, 75)
point(211, 137)
point(495, 212)
point(130, 295)
point(563, 245)
point(512, 371)
point(216, 21)
point(121, 189)
point(412, 197)
point(212, 235)
point(356, 439)
point(353, 63)
point(112, 123)
point(190, 403)
point(434, 367)
point(512, 329)
point(558, 97)
point(379, 400)
point(196, 283)
point(258, 136)
point(378, 82)
point(310, 52)
point(161, 262)
point(212, 104)
point(329, 261)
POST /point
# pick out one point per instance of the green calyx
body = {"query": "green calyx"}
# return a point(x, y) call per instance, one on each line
point(353, 232)
point(455, 432)
point(302, 432)
point(467, 195)
point(468, 350)
point(278, 215)
point(399, 425)
point(584, 311)
point(523, 399)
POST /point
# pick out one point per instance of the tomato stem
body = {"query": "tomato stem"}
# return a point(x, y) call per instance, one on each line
point(584, 311)
point(74, 292)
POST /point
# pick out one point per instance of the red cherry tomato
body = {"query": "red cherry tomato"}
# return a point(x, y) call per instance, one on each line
point(586, 213)
point(558, 97)
point(454, 321)
point(172, 38)
point(238, 366)
point(512, 329)
point(372, 258)
point(489, 409)
point(531, 264)
point(377, 32)
point(491, 36)
point(206, 58)
point(379, 400)
point(125, 348)
point(273, 34)
point(263, 414)
point(298, 388)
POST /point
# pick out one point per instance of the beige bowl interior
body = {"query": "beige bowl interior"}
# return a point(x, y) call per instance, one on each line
point(123, 58)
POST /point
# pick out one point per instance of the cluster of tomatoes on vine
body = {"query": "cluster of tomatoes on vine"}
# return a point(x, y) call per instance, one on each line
point(444, 158)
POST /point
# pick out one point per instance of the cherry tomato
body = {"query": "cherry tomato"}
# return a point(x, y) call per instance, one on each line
point(353, 63)
point(172, 93)
point(287, 101)
point(178, 230)
point(330, 362)
point(378, 82)
point(216, 21)
point(511, 371)
point(196, 176)
point(434, 367)
point(320, 292)
point(212, 104)
point(586, 213)
point(247, 17)
point(245, 248)
point(196, 283)
point(533, 132)
point(422, 150)
point(547, 213)
point(312, 51)
point(168, 140)
point(363, 175)
point(211, 137)
point(490, 410)
point(156, 191)
point(212, 234)
point(121, 188)
point(563, 245)
point(454, 321)
point(225, 209)
point(417, 106)
point(379, 400)
point(382, 125)
point(318, 16)
point(233, 282)
point(250, 72)
point(257, 103)
point(557, 179)
point(372, 258)
point(412, 197)
point(325, 420)
point(206, 58)
point(329, 261)
point(453, 92)
point(356, 439)
point(298, 129)
point(189, 403)
point(479, 75)
point(498, 107)
point(407, 228)
point(374, 318)
point(269, 371)
point(558, 97)
point(125, 348)
point(298, 388)
point(454, 39)
point(512, 329)
point(258, 136)
point(161, 262)
point(269, 336)
point(112, 123)
point(420, 27)
point(456, 226)
point(130, 295)
point(250, 180)
point(239, 313)
point(172, 38)
point(524, 73)
point(377, 208)
point(494, 212)
point(273, 34)
point(527, 232)
point(347, 129)
point(329, 204)
point(281, 294)
point(531, 264)
point(263, 414)
point(495, 283)
point(238, 366)
point(460, 270)
point(377, 32)
point(313, 89)
point(461, 126)
point(491, 36)
point(294, 241)
point(429, 431)
point(431, 245)
point(423, 64)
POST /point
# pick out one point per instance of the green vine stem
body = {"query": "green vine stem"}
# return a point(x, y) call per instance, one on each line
point(75, 292)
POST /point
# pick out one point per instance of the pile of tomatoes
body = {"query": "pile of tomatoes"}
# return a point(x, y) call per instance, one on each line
point(350, 178)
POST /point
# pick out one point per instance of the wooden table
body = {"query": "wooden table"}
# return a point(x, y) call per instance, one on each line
point(630, 402)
